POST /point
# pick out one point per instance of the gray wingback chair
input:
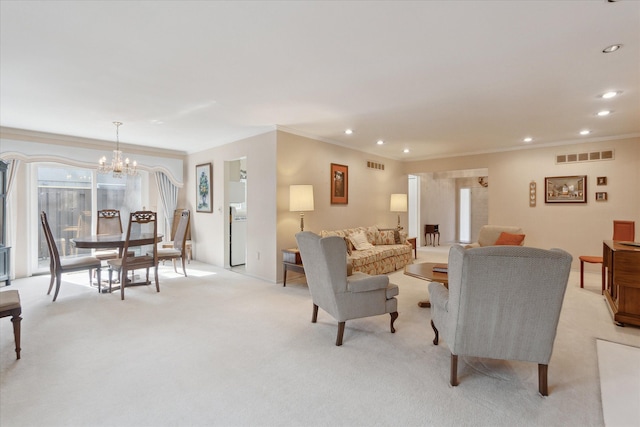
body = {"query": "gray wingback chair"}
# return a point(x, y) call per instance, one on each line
point(345, 298)
point(503, 302)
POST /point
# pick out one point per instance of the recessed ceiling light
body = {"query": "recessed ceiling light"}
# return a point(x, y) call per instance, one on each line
point(348, 131)
point(604, 113)
point(585, 132)
point(610, 94)
point(528, 139)
point(380, 142)
point(612, 48)
point(406, 150)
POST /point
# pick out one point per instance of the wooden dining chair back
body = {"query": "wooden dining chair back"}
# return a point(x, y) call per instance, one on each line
point(58, 266)
point(624, 231)
point(108, 223)
point(177, 216)
point(139, 222)
point(179, 247)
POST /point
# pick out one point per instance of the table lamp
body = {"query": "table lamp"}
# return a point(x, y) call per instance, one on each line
point(398, 204)
point(301, 200)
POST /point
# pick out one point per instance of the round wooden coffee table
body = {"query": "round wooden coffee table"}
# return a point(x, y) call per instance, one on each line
point(425, 271)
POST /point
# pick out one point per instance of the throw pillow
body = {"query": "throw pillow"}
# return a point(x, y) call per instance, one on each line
point(372, 234)
point(509, 239)
point(386, 237)
point(349, 245)
point(360, 241)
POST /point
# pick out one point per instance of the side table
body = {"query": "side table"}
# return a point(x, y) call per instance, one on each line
point(291, 260)
point(432, 231)
point(412, 240)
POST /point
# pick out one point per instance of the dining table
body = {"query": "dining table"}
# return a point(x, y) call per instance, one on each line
point(115, 241)
point(109, 241)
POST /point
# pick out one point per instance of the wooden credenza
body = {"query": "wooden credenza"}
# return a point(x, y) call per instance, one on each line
point(622, 291)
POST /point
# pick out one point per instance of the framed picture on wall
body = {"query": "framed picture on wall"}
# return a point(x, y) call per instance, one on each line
point(204, 188)
point(339, 184)
point(601, 196)
point(565, 189)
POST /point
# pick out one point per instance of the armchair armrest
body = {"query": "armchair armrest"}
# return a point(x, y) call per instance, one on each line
point(364, 283)
point(439, 296)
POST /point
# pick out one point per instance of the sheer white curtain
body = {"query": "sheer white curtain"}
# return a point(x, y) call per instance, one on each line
point(169, 198)
point(14, 165)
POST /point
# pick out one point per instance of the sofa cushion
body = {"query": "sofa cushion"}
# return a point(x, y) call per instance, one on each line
point(360, 241)
point(372, 234)
point(509, 239)
point(386, 237)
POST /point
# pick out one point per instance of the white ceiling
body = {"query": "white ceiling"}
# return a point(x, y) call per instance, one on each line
point(437, 77)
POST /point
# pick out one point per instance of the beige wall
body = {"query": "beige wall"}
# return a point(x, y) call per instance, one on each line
point(306, 161)
point(577, 228)
point(210, 231)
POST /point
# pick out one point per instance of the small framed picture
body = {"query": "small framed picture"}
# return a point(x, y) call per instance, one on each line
point(602, 180)
point(203, 188)
point(601, 196)
point(339, 184)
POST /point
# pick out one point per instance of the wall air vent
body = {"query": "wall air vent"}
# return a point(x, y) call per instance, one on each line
point(584, 157)
point(375, 165)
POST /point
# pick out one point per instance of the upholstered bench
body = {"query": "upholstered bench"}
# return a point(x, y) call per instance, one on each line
point(10, 306)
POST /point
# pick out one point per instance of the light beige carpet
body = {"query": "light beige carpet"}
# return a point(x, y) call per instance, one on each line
point(619, 367)
point(222, 349)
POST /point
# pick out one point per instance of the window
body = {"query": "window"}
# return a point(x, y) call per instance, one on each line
point(70, 196)
point(465, 215)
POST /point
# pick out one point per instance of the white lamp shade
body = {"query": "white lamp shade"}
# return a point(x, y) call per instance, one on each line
point(300, 198)
point(398, 203)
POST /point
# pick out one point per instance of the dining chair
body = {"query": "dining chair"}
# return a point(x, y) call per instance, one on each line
point(622, 231)
point(178, 247)
point(10, 306)
point(139, 222)
point(177, 215)
point(58, 266)
point(108, 223)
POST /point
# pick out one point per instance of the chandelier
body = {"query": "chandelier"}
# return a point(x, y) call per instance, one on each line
point(117, 166)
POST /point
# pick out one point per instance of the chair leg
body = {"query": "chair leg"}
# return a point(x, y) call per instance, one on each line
point(340, 333)
point(16, 319)
point(174, 265)
point(58, 281)
point(184, 269)
point(435, 340)
point(156, 277)
point(123, 282)
point(581, 274)
point(394, 316)
point(314, 316)
point(98, 273)
point(53, 278)
point(454, 369)
point(542, 379)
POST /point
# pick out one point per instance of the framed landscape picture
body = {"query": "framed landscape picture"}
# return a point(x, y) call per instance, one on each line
point(339, 184)
point(204, 188)
point(565, 189)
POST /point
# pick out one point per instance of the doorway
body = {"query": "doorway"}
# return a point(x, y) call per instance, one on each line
point(236, 198)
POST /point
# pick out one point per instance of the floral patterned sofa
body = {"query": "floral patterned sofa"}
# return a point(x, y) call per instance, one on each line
point(387, 249)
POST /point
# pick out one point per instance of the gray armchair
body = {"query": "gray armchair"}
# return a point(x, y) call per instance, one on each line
point(503, 302)
point(345, 298)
